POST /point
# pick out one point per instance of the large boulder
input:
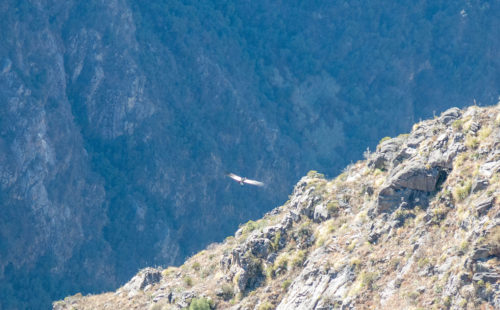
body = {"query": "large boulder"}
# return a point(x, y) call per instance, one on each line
point(411, 184)
point(386, 152)
point(260, 247)
point(321, 213)
point(317, 288)
point(450, 115)
point(145, 277)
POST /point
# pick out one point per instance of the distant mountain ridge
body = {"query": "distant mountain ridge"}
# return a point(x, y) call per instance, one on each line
point(119, 118)
point(415, 225)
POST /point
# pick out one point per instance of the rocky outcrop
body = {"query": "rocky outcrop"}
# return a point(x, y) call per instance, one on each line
point(419, 238)
point(411, 185)
point(146, 277)
point(318, 288)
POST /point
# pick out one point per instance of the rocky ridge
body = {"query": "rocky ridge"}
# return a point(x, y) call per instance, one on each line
point(415, 225)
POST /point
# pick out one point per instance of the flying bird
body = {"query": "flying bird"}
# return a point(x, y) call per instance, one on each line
point(243, 180)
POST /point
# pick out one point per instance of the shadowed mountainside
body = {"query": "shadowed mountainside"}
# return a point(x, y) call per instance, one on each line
point(118, 118)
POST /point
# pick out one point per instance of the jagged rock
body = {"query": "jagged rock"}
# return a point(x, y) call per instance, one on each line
point(450, 115)
point(480, 253)
point(246, 270)
point(144, 278)
point(480, 267)
point(479, 185)
point(260, 247)
point(225, 262)
point(474, 127)
point(491, 277)
point(184, 299)
point(415, 139)
point(417, 177)
point(379, 161)
point(404, 154)
point(312, 285)
point(489, 168)
point(412, 183)
point(382, 158)
point(162, 296)
point(373, 237)
point(272, 257)
point(482, 206)
point(320, 213)
point(308, 209)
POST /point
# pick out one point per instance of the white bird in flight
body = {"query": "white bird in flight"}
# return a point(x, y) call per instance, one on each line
point(243, 180)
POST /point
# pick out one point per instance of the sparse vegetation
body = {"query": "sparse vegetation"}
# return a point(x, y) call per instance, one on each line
point(368, 279)
point(471, 142)
point(439, 213)
point(281, 263)
point(461, 192)
point(276, 241)
point(299, 258)
point(384, 139)
point(286, 284)
point(484, 133)
point(249, 227)
point(169, 271)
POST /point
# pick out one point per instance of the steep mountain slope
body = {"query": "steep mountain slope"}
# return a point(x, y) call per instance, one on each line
point(118, 118)
point(415, 225)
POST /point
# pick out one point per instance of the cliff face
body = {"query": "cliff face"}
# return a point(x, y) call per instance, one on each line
point(415, 225)
point(118, 119)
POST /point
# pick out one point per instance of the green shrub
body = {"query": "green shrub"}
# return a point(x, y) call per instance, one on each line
point(196, 266)
point(484, 133)
point(281, 262)
point(461, 192)
point(188, 281)
point(458, 124)
point(332, 207)
point(367, 279)
point(299, 258)
point(276, 241)
point(227, 291)
point(439, 213)
point(266, 306)
point(200, 304)
point(471, 142)
point(304, 231)
point(315, 174)
point(384, 139)
point(249, 227)
point(286, 284)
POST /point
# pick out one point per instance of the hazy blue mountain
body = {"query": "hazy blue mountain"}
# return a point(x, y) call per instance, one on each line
point(118, 119)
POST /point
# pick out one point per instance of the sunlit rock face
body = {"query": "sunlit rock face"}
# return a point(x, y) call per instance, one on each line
point(339, 244)
point(118, 119)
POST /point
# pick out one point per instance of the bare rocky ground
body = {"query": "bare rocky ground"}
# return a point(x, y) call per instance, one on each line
point(414, 226)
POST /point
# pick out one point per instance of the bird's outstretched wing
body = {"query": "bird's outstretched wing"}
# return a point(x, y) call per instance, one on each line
point(253, 182)
point(235, 177)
